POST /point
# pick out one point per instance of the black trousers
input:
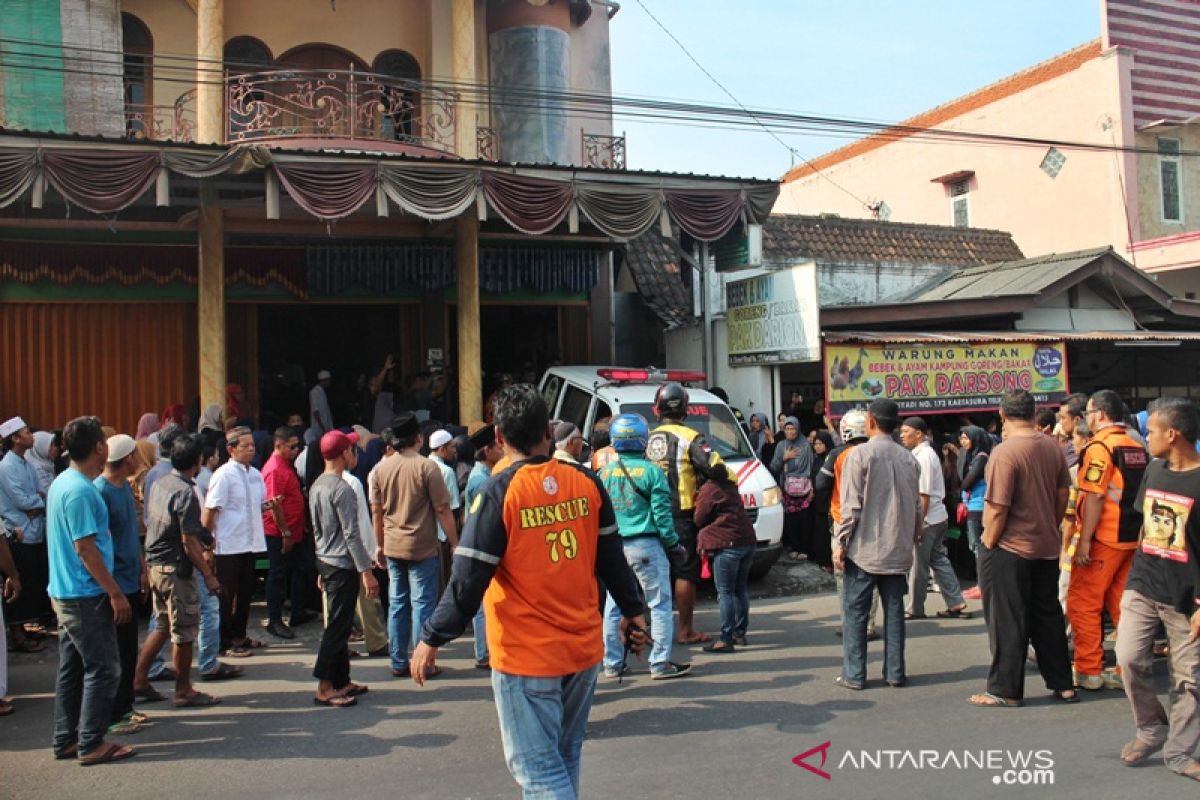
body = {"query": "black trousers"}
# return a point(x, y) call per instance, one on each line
point(1020, 606)
point(127, 649)
point(236, 574)
point(333, 656)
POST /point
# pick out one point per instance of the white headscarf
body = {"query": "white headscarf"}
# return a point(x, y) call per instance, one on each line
point(210, 419)
point(39, 458)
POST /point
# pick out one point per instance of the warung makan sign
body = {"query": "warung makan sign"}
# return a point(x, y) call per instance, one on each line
point(773, 318)
point(942, 378)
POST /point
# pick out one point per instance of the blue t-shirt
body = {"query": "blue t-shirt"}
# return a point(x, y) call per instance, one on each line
point(75, 510)
point(123, 527)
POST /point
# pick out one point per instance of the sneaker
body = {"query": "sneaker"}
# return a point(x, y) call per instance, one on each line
point(1093, 683)
point(615, 672)
point(1112, 679)
point(671, 670)
point(279, 628)
point(974, 593)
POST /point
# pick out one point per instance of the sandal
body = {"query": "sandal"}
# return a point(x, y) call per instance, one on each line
point(107, 753)
point(148, 694)
point(910, 616)
point(6, 707)
point(1066, 695)
point(238, 651)
point(67, 753)
point(336, 701)
point(695, 638)
point(355, 690)
point(955, 613)
point(251, 644)
point(1190, 771)
point(718, 647)
point(1137, 751)
point(989, 700)
point(223, 672)
point(27, 645)
point(197, 700)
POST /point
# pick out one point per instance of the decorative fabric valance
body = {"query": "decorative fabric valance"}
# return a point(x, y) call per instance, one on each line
point(109, 179)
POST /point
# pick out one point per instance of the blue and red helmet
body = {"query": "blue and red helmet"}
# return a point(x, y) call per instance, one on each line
point(628, 433)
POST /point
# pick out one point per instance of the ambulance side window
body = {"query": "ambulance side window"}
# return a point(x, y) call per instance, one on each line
point(601, 413)
point(575, 404)
point(550, 390)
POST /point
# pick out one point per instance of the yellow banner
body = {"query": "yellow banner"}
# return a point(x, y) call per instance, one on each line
point(942, 378)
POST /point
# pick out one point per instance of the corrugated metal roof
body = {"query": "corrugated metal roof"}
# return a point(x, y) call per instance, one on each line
point(920, 337)
point(1012, 278)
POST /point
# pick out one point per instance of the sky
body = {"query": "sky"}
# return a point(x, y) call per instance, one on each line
point(859, 59)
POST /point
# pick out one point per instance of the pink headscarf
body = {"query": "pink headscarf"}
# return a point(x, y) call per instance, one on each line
point(147, 424)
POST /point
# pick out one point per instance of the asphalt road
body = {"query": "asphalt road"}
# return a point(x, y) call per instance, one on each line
point(730, 730)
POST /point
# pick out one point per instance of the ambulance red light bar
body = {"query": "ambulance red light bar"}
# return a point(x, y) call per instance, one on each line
point(621, 375)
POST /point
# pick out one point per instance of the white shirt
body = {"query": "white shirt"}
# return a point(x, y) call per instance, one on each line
point(451, 481)
point(932, 483)
point(238, 493)
point(364, 512)
point(320, 417)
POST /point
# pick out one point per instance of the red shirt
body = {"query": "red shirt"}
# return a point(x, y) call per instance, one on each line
point(281, 480)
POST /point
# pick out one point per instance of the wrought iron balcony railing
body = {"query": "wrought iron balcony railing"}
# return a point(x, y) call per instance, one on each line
point(605, 152)
point(336, 104)
point(175, 123)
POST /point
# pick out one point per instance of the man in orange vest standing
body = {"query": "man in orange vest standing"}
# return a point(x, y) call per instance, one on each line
point(1111, 467)
point(537, 536)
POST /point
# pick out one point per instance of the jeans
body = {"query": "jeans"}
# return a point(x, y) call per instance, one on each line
point(285, 569)
point(1178, 732)
point(208, 644)
point(89, 669)
point(649, 563)
point(731, 574)
point(542, 724)
point(931, 554)
point(341, 595)
point(127, 651)
point(1020, 607)
point(412, 594)
point(975, 533)
point(479, 628)
point(857, 588)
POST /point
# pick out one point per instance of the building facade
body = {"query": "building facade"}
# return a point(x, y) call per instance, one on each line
point(249, 191)
point(1095, 147)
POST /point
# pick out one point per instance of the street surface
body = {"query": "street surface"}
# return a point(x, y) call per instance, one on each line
point(730, 730)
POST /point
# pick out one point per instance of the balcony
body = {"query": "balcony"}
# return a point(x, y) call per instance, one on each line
point(603, 152)
point(175, 123)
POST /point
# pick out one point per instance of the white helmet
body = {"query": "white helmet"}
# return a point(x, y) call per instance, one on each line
point(853, 425)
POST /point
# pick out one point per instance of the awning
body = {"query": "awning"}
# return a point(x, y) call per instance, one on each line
point(109, 176)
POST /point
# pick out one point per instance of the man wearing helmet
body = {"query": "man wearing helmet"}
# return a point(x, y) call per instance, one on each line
point(853, 428)
point(641, 498)
point(686, 459)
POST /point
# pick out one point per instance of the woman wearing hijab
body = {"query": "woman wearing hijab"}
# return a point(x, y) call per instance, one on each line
point(822, 445)
point(792, 467)
point(975, 444)
point(147, 426)
point(760, 434)
point(41, 457)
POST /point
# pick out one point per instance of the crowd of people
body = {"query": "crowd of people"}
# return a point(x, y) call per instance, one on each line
point(568, 556)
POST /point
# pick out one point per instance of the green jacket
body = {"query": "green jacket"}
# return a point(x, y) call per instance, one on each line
point(638, 516)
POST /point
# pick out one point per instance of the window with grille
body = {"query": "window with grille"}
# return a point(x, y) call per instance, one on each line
point(960, 204)
point(1170, 180)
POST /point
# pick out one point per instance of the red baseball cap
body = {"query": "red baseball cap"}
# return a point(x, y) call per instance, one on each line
point(334, 443)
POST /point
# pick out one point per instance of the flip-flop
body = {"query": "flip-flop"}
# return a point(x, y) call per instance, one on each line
point(238, 652)
point(252, 644)
point(223, 672)
point(356, 690)
point(148, 694)
point(909, 616)
point(109, 752)
point(67, 753)
point(695, 638)
point(957, 613)
point(337, 701)
point(1066, 695)
point(1137, 751)
point(719, 647)
point(6, 707)
point(989, 700)
point(197, 700)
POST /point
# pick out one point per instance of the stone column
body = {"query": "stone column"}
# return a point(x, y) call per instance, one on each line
point(470, 357)
point(210, 299)
point(210, 50)
point(462, 33)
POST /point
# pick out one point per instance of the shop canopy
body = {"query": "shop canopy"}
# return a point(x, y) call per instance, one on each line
point(105, 176)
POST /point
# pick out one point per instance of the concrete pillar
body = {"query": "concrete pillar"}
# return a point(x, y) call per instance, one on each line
point(210, 50)
point(529, 49)
point(470, 358)
point(462, 32)
point(210, 299)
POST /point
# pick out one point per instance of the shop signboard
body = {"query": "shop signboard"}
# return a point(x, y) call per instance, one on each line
point(943, 378)
point(773, 318)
